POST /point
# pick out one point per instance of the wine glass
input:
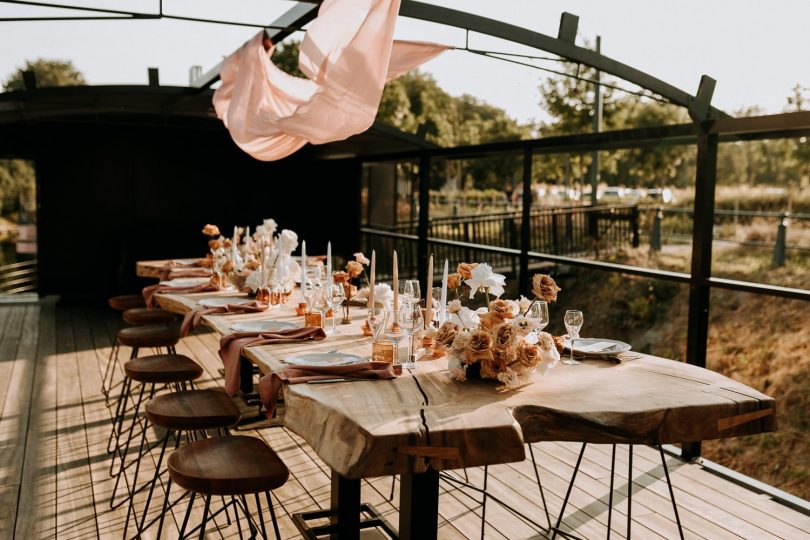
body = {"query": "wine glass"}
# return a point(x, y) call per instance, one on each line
point(394, 335)
point(411, 292)
point(320, 303)
point(538, 313)
point(410, 321)
point(335, 294)
point(573, 322)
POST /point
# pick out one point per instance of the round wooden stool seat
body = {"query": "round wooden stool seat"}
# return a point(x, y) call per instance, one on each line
point(148, 336)
point(192, 410)
point(236, 465)
point(143, 316)
point(126, 301)
point(162, 368)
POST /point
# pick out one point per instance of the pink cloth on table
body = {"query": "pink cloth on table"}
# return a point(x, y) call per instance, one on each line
point(270, 385)
point(193, 318)
point(231, 345)
point(150, 291)
point(345, 55)
point(181, 272)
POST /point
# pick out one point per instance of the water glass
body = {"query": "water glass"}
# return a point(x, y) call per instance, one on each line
point(411, 293)
point(573, 322)
point(335, 295)
point(538, 314)
point(410, 321)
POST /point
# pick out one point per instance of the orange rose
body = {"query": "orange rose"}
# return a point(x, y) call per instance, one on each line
point(354, 269)
point(227, 243)
point(453, 281)
point(447, 333)
point(340, 277)
point(502, 308)
point(214, 244)
point(505, 336)
point(227, 267)
point(544, 288)
point(210, 230)
point(252, 265)
point(529, 355)
point(465, 269)
point(479, 347)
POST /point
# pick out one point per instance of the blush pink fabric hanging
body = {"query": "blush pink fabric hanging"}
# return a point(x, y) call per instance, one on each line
point(348, 54)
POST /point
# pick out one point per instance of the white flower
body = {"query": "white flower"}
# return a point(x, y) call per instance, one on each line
point(459, 343)
point(524, 303)
point(383, 294)
point(270, 226)
point(254, 280)
point(509, 378)
point(454, 306)
point(548, 353)
point(514, 307)
point(457, 369)
point(525, 324)
point(288, 241)
point(482, 278)
point(359, 257)
point(466, 318)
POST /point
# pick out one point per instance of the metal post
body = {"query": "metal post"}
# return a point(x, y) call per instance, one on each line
point(636, 234)
point(655, 237)
point(593, 171)
point(699, 290)
point(525, 221)
point(424, 220)
point(781, 241)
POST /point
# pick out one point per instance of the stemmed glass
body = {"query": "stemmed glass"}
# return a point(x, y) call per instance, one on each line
point(394, 335)
point(320, 302)
point(411, 291)
point(538, 314)
point(410, 321)
point(335, 294)
point(573, 322)
point(376, 322)
point(436, 298)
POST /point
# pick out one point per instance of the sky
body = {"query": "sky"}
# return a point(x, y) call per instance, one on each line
point(757, 51)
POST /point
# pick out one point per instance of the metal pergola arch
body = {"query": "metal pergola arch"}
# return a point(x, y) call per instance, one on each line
point(699, 106)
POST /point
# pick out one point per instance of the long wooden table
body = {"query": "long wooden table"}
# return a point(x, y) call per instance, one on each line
point(424, 422)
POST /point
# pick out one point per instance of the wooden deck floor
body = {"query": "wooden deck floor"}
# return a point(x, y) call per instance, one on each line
point(54, 481)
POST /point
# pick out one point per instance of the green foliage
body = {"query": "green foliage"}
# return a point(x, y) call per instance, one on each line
point(48, 73)
point(17, 186)
point(285, 56)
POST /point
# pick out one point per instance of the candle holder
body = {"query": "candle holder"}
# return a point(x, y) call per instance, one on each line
point(312, 319)
point(301, 309)
point(382, 351)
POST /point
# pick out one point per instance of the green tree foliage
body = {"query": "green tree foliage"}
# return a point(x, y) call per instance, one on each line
point(17, 187)
point(48, 73)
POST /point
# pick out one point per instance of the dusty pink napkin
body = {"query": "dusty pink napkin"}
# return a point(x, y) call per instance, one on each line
point(150, 291)
point(231, 345)
point(181, 272)
point(193, 318)
point(270, 385)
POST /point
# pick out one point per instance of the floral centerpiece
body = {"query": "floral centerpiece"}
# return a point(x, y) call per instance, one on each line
point(354, 269)
point(497, 341)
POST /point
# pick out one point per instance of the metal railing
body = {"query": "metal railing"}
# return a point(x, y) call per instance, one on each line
point(19, 277)
point(567, 231)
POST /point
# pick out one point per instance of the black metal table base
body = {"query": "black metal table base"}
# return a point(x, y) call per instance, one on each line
point(374, 520)
point(564, 534)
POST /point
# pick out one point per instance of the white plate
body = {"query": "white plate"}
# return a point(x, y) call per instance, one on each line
point(185, 282)
point(263, 326)
point(323, 359)
point(220, 301)
point(597, 346)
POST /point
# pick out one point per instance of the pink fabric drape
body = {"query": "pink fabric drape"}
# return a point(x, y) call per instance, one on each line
point(345, 55)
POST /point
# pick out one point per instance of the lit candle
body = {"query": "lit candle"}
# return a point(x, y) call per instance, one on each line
point(396, 284)
point(329, 263)
point(303, 264)
point(429, 294)
point(443, 300)
point(372, 280)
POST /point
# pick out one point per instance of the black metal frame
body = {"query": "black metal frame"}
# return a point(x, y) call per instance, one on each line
point(705, 136)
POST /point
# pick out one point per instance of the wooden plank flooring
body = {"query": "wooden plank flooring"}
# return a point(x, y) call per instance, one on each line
point(54, 479)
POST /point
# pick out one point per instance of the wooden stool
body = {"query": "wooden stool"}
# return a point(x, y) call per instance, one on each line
point(126, 301)
point(193, 411)
point(144, 316)
point(168, 369)
point(228, 466)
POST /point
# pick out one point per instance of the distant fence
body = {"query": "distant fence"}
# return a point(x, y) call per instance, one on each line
point(570, 230)
point(759, 229)
point(20, 277)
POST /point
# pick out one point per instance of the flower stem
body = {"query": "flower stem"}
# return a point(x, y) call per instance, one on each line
point(530, 306)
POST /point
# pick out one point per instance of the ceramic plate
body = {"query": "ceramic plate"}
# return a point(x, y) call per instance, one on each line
point(185, 282)
point(597, 346)
point(263, 326)
point(323, 359)
point(220, 301)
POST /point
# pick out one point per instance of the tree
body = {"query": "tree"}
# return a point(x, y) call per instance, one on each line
point(48, 73)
